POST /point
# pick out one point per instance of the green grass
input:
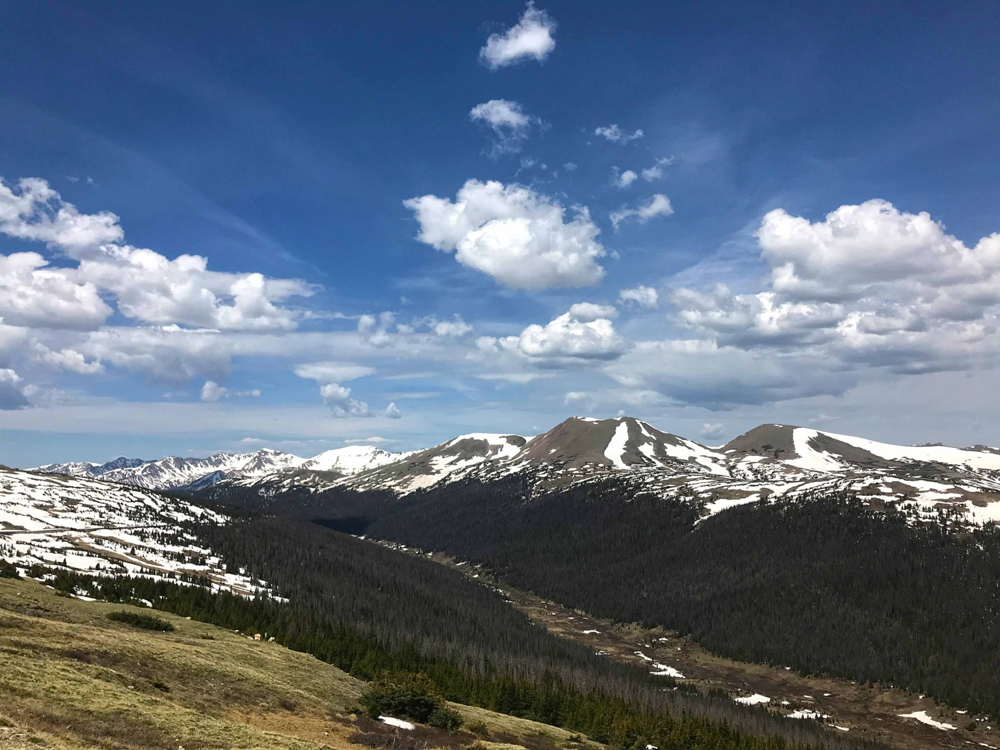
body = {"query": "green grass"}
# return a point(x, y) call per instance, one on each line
point(71, 678)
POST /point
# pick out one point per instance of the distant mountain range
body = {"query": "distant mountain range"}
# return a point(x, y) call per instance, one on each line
point(769, 460)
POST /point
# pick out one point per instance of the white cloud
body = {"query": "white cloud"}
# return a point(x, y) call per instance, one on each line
point(212, 391)
point(658, 205)
point(146, 285)
point(570, 166)
point(338, 398)
point(517, 236)
point(625, 179)
point(615, 134)
point(33, 295)
point(67, 359)
point(586, 312)
point(34, 211)
point(333, 372)
point(579, 334)
point(374, 439)
point(868, 291)
point(655, 172)
point(508, 123)
point(530, 38)
point(393, 412)
point(641, 296)
point(162, 353)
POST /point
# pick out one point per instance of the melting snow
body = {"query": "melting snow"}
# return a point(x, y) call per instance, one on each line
point(395, 722)
point(616, 446)
point(753, 700)
point(922, 717)
point(810, 458)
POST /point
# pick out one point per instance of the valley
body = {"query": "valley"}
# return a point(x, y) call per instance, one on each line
point(870, 710)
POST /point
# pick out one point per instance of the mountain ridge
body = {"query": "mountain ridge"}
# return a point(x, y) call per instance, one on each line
point(768, 460)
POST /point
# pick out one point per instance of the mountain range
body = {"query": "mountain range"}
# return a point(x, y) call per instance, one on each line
point(769, 460)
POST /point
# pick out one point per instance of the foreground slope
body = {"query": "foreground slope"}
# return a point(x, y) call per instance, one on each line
point(71, 679)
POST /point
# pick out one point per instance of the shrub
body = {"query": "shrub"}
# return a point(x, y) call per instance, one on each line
point(8, 570)
point(443, 717)
point(136, 620)
point(479, 729)
point(408, 695)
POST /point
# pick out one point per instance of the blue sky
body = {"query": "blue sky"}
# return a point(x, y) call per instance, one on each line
point(240, 225)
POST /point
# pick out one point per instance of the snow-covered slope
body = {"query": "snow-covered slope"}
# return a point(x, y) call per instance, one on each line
point(94, 526)
point(352, 459)
point(449, 460)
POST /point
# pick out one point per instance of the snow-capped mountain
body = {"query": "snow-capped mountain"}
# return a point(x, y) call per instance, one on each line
point(86, 469)
point(768, 461)
point(175, 472)
point(82, 524)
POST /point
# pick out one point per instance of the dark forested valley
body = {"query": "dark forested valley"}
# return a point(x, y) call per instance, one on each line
point(826, 585)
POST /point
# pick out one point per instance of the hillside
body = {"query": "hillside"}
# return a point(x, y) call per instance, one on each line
point(83, 524)
point(70, 679)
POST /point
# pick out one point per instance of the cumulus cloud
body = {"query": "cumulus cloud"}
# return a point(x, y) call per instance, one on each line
point(35, 296)
point(624, 179)
point(586, 312)
point(393, 412)
point(583, 333)
point(869, 289)
point(11, 392)
point(67, 359)
point(508, 124)
point(165, 353)
point(338, 398)
point(146, 285)
point(641, 296)
point(530, 38)
point(615, 134)
point(658, 205)
point(34, 211)
point(510, 232)
point(212, 391)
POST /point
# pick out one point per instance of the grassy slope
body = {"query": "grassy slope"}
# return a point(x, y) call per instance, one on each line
point(69, 678)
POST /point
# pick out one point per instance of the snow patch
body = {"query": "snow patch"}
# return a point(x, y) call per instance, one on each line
point(924, 718)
